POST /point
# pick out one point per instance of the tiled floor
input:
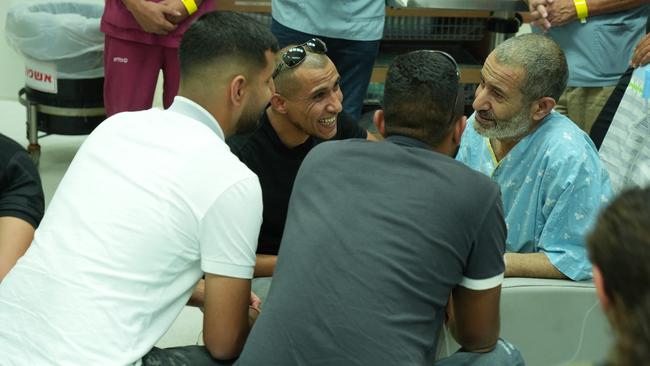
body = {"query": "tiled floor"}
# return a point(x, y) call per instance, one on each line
point(56, 153)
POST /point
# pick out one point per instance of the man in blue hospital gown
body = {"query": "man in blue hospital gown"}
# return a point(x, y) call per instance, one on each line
point(552, 180)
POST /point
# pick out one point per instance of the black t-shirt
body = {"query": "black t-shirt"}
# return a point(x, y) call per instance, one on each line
point(21, 193)
point(277, 166)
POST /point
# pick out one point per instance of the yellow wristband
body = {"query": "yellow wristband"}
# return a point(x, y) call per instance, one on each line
point(191, 7)
point(581, 10)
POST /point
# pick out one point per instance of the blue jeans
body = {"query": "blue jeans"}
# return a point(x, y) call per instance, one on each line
point(503, 354)
point(353, 59)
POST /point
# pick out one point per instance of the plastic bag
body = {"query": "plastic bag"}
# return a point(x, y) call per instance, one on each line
point(625, 150)
point(64, 33)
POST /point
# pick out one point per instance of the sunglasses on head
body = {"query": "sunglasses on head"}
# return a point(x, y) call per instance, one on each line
point(456, 109)
point(295, 55)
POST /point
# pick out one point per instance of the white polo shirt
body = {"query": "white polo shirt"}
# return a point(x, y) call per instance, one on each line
point(152, 200)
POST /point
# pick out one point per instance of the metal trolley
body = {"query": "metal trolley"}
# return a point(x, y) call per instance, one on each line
point(76, 109)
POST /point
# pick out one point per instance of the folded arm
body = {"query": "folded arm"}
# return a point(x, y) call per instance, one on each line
point(531, 265)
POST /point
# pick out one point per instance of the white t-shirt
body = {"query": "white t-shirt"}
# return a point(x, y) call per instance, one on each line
point(151, 201)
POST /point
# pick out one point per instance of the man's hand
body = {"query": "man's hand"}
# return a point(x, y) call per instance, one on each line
point(255, 302)
point(152, 17)
point(552, 13)
point(198, 295)
point(180, 9)
point(641, 55)
point(561, 12)
point(254, 309)
point(539, 13)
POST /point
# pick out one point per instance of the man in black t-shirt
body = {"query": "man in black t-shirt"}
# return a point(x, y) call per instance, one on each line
point(305, 110)
point(21, 202)
point(379, 237)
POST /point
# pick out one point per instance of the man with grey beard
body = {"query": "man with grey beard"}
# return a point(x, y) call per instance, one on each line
point(552, 180)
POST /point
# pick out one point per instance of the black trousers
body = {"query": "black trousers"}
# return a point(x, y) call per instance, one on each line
point(182, 356)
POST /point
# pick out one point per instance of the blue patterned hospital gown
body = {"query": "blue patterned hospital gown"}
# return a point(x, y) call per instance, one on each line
point(552, 184)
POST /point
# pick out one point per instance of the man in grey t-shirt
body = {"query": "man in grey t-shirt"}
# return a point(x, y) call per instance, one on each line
point(380, 235)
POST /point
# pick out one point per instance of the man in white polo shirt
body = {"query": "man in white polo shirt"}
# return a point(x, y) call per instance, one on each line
point(152, 201)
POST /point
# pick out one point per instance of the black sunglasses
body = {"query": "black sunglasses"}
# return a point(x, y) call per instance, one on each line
point(294, 56)
point(456, 108)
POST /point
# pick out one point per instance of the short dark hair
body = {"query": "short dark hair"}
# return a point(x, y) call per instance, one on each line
point(620, 246)
point(419, 94)
point(543, 61)
point(225, 35)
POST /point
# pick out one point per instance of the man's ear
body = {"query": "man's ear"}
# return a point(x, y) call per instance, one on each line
point(279, 103)
point(378, 120)
point(599, 282)
point(238, 87)
point(458, 129)
point(542, 107)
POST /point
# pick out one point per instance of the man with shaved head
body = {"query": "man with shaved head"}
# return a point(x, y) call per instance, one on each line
point(305, 109)
point(551, 177)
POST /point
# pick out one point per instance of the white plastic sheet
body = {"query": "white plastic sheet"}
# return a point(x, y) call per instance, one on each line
point(64, 33)
point(625, 151)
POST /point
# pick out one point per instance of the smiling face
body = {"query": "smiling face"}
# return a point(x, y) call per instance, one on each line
point(501, 110)
point(314, 106)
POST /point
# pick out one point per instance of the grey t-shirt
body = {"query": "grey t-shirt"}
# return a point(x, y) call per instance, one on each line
point(377, 236)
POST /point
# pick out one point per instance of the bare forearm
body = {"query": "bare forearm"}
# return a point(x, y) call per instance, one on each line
point(531, 265)
point(473, 318)
point(598, 7)
point(131, 4)
point(15, 237)
point(226, 318)
point(265, 265)
point(477, 345)
point(468, 346)
point(252, 316)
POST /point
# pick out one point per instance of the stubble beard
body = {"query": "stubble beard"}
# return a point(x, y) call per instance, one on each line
point(513, 129)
